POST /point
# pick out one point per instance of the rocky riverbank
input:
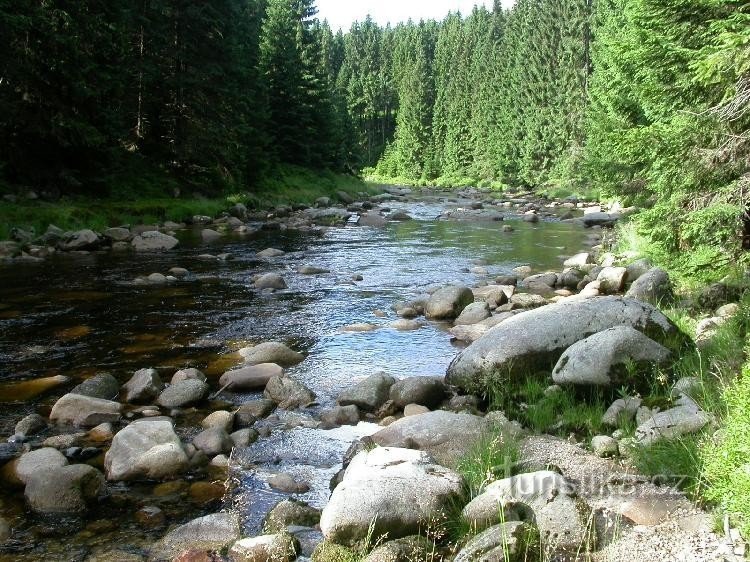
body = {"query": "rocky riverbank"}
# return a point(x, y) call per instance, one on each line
point(590, 325)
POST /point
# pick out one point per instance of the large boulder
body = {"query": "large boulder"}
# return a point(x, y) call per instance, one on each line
point(83, 411)
point(80, 240)
point(183, 393)
point(612, 279)
point(388, 491)
point(270, 281)
point(143, 386)
point(426, 391)
point(64, 489)
point(290, 512)
point(448, 303)
point(368, 394)
point(251, 378)
point(545, 497)
point(213, 441)
point(653, 286)
point(20, 471)
point(103, 386)
point(145, 450)
point(535, 340)
point(271, 352)
point(153, 241)
point(605, 358)
point(288, 393)
point(446, 436)
point(214, 532)
point(473, 314)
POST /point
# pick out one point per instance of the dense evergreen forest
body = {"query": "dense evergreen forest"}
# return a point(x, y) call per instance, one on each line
point(645, 100)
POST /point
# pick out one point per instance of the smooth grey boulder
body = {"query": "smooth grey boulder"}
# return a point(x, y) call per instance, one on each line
point(570, 278)
point(83, 411)
point(144, 386)
point(545, 497)
point(271, 352)
point(637, 268)
point(549, 279)
point(270, 253)
point(35, 461)
point(600, 219)
point(213, 441)
point(445, 436)
point(579, 260)
point(473, 314)
point(64, 489)
point(388, 491)
point(603, 359)
point(368, 394)
point(80, 240)
point(220, 419)
point(535, 340)
point(183, 393)
point(212, 532)
point(671, 424)
point(208, 235)
point(249, 412)
point(653, 286)
point(612, 280)
point(251, 378)
point(425, 391)
point(340, 415)
point(621, 411)
point(290, 512)
point(528, 300)
point(154, 241)
point(186, 374)
point(117, 234)
point(312, 270)
point(102, 386)
point(281, 547)
point(145, 450)
point(508, 542)
point(270, 281)
point(288, 393)
point(448, 303)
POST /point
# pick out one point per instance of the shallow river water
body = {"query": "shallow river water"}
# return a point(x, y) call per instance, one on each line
point(81, 315)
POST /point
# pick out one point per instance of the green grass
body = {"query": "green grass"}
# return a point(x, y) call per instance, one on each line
point(675, 462)
point(491, 459)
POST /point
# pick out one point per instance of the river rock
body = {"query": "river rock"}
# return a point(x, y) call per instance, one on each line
point(536, 339)
point(64, 489)
point(83, 411)
point(622, 411)
point(612, 280)
point(281, 547)
point(270, 253)
point(244, 437)
point(288, 393)
point(29, 464)
point(549, 279)
point(508, 542)
point(494, 295)
point(213, 441)
point(145, 450)
point(183, 393)
point(570, 278)
point(288, 484)
point(291, 512)
point(220, 419)
point(340, 415)
point(603, 359)
point(445, 436)
point(188, 374)
point(637, 269)
point(545, 497)
point(579, 260)
point(103, 386)
point(448, 303)
point(144, 386)
point(5, 531)
point(653, 287)
point(600, 219)
point(671, 424)
point(80, 240)
point(388, 491)
point(31, 425)
point(214, 532)
point(368, 394)
point(312, 270)
point(249, 412)
point(153, 240)
point(251, 378)
point(473, 314)
point(426, 391)
point(372, 220)
point(270, 281)
point(271, 352)
point(208, 235)
point(527, 300)
point(117, 234)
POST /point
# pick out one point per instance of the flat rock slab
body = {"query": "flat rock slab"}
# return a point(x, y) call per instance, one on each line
point(536, 339)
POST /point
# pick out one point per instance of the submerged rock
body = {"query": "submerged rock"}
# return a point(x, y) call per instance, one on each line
point(64, 489)
point(214, 532)
point(270, 281)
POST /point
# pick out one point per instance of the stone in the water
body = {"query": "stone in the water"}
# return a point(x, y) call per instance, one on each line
point(288, 393)
point(359, 327)
point(426, 391)
point(213, 441)
point(31, 425)
point(144, 386)
point(535, 340)
point(83, 411)
point(183, 393)
point(27, 465)
point(312, 270)
point(271, 352)
point(604, 358)
point(340, 415)
point(186, 374)
point(404, 325)
point(528, 300)
point(154, 240)
point(103, 386)
point(221, 419)
point(579, 260)
point(473, 314)
point(388, 491)
point(80, 240)
point(368, 394)
point(291, 512)
point(64, 490)
point(445, 436)
point(5, 531)
point(251, 378)
point(270, 253)
point(244, 437)
point(209, 235)
point(214, 532)
point(282, 547)
point(270, 281)
point(448, 303)
point(288, 484)
point(249, 412)
point(612, 280)
point(145, 450)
